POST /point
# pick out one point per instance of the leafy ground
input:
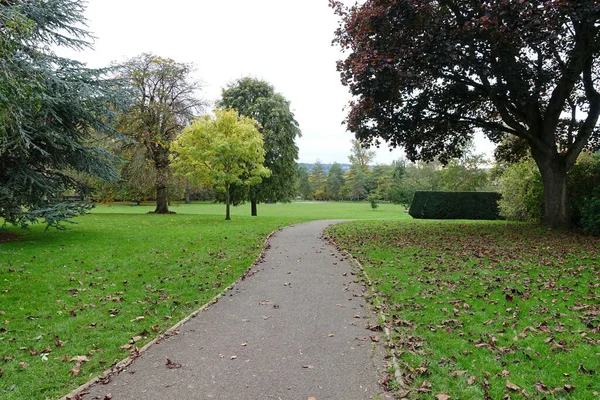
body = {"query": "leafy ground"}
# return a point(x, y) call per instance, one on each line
point(73, 303)
point(483, 310)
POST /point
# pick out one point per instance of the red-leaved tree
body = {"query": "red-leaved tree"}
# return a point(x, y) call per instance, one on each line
point(427, 74)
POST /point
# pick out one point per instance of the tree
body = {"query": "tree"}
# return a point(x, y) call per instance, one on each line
point(335, 181)
point(465, 174)
point(355, 187)
point(303, 188)
point(257, 99)
point(427, 74)
point(361, 156)
point(165, 101)
point(222, 151)
point(49, 109)
point(318, 181)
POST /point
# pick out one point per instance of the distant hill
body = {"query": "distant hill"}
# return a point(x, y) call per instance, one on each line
point(309, 167)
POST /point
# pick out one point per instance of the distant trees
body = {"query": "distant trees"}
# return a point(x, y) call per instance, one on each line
point(222, 151)
point(396, 182)
point(257, 99)
point(50, 110)
point(165, 99)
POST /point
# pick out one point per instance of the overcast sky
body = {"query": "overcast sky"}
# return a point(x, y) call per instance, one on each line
point(285, 42)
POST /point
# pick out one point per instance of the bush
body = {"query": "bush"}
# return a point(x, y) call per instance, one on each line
point(584, 178)
point(373, 200)
point(590, 214)
point(522, 192)
point(455, 205)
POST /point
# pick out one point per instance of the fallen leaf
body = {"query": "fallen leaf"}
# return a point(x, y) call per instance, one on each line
point(23, 364)
point(312, 398)
point(75, 370)
point(307, 367)
point(79, 359)
point(233, 357)
point(331, 335)
point(172, 365)
point(569, 388)
point(512, 386)
point(471, 380)
point(425, 387)
point(542, 388)
point(457, 373)
point(135, 339)
point(1, 372)
point(244, 344)
point(442, 396)
point(108, 397)
point(126, 346)
point(374, 338)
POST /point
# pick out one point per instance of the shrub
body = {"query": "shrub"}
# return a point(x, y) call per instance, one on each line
point(584, 178)
point(455, 205)
point(522, 192)
point(373, 200)
point(590, 214)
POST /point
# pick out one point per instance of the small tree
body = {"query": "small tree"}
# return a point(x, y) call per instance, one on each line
point(222, 151)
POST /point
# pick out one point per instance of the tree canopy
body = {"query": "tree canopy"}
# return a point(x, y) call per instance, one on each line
point(427, 74)
point(165, 99)
point(257, 99)
point(49, 108)
point(222, 151)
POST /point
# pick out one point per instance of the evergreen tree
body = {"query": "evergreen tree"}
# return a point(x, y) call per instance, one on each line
point(49, 108)
point(335, 181)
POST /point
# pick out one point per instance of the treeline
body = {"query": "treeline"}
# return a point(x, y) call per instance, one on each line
point(396, 182)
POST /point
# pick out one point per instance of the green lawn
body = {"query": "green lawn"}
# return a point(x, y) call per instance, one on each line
point(305, 210)
point(485, 310)
point(121, 274)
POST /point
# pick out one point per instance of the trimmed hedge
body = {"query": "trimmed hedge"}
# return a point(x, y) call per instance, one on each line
point(455, 205)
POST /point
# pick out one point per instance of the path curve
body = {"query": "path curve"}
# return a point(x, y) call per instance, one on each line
point(294, 329)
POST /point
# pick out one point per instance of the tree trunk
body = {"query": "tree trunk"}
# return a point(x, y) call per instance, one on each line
point(162, 203)
point(557, 207)
point(227, 204)
point(253, 204)
point(188, 192)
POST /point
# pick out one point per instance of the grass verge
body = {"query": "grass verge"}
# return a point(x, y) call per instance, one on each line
point(483, 310)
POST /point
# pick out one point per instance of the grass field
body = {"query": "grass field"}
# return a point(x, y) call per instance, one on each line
point(119, 277)
point(484, 310)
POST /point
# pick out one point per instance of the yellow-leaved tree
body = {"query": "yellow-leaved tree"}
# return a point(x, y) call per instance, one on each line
point(221, 151)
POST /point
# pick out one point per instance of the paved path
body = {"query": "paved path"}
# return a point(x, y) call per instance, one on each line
point(287, 332)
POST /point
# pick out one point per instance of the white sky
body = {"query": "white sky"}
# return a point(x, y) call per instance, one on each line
point(285, 42)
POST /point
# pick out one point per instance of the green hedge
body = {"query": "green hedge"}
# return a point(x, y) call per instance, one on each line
point(455, 205)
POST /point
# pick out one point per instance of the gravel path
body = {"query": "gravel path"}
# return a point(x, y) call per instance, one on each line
point(293, 329)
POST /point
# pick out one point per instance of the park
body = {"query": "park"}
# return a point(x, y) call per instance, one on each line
point(156, 244)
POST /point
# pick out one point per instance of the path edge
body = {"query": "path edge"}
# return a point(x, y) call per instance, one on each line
point(380, 314)
point(76, 394)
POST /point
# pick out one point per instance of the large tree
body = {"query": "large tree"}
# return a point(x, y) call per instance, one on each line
point(50, 108)
point(222, 151)
point(427, 74)
point(165, 101)
point(257, 99)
